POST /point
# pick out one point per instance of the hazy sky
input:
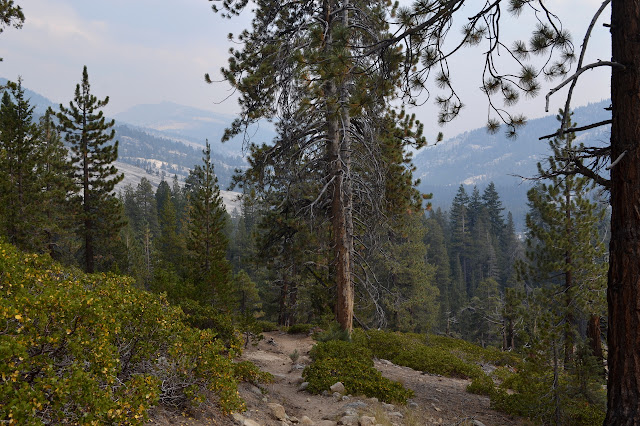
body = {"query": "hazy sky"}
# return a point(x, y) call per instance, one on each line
point(149, 51)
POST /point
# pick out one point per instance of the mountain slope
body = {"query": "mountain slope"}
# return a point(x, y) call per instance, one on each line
point(477, 158)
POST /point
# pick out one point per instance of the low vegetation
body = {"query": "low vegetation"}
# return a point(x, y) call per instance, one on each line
point(92, 349)
point(352, 364)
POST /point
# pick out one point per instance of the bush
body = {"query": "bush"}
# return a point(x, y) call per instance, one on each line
point(300, 329)
point(80, 348)
point(352, 365)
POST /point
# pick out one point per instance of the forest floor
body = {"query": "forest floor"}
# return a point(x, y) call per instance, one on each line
point(437, 400)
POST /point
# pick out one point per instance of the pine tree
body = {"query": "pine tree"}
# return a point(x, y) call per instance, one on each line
point(207, 244)
point(20, 156)
point(56, 186)
point(92, 155)
point(563, 241)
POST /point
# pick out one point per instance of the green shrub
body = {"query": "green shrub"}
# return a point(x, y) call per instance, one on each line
point(482, 385)
point(266, 326)
point(352, 365)
point(82, 348)
point(300, 329)
point(247, 371)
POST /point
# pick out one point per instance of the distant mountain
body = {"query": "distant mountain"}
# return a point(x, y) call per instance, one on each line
point(477, 158)
point(192, 125)
point(141, 153)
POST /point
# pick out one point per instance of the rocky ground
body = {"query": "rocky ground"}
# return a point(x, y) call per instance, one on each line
point(437, 400)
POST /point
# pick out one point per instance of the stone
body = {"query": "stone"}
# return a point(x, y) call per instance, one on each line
point(349, 421)
point(326, 423)
point(477, 423)
point(337, 387)
point(241, 420)
point(293, 419)
point(395, 415)
point(306, 421)
point(345, 398)
point(413, 405)
point(435, 408)
point(349, 412)
point(255, 390)
point(337, 396)
point(297, 367)
point(238, 418)
point(388, 407)
point(356, 405)
point(277, 411)
point(373, 400)
point(367, 421)
point(303, 386)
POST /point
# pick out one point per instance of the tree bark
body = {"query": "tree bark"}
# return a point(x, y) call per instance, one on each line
point(339, 147)
point(623, 292)
point(593, 334)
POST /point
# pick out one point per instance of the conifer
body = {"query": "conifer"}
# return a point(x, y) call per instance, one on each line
point(90, 136)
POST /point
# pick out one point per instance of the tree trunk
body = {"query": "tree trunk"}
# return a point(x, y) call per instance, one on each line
point(593, 334)
point(623, 292)
point(339, 140)
point(568, 277)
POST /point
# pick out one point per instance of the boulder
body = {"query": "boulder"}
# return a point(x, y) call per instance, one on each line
point(306, 421)
point(367, 421)
point(349, 421)
point(277, 411)
point(337, 387)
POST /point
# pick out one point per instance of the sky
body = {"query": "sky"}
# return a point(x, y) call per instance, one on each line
point(150, 51)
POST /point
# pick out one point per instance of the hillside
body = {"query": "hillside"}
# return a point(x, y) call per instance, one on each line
point(477, 158)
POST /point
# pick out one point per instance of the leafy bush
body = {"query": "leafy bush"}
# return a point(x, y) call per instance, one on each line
point(482, 385)
point(82, 348)
point(352, 365)
point(300, 329)
point(247, 371)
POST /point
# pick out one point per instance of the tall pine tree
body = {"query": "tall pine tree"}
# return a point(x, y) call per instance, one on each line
point(88, 133)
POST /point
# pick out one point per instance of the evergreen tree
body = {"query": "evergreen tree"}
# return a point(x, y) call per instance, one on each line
point(563, 241)
point(56, 188)
point(210, 272)
point(20, 171)
point(92, 155)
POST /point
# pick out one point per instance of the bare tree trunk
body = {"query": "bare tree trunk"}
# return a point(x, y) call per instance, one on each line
point(339, 140)
point(593, 334)
point(623, 293)
point(568, 280)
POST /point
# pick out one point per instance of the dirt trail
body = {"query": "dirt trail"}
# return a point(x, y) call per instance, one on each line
point(438, 400)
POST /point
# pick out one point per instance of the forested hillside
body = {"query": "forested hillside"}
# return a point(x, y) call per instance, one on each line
point(121, 300)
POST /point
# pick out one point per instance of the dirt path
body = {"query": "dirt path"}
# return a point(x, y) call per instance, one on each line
point(438, 400)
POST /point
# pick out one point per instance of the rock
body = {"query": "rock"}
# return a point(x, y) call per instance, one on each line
point(477, 423)
point(326, 423)
point(373, 400)
point(345, 398)
point(306, 421)
point(337, 396)
point(349, 412)
point(349, 421)
point(303, 386)
point(395, 415)
point(325, 393)
point(386, 362)
point(435, 408)
point(337, 387)
point(293, 419)
point(243, 421)
point(413, 405)
point(308, 399)
point(265, 399)
point(367, 421)
point(297, 367)
point(238, 418)
point(255, 390)
point(356, 405)
point(388, 407)
point(277, 411)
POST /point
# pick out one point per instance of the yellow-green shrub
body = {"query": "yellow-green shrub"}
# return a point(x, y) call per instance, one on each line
point(351, 364)
point(92, 349)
